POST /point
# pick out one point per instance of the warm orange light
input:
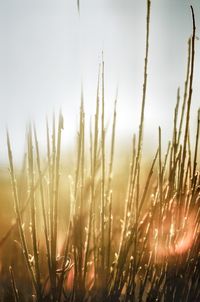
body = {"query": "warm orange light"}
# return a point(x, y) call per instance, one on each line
point(172, 237)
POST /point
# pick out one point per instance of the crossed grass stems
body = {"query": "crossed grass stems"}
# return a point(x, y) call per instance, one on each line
point(94, 266)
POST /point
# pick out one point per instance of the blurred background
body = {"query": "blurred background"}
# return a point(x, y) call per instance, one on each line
point(48, 49)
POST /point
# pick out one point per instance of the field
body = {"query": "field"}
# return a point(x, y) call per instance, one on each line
point(99, 226)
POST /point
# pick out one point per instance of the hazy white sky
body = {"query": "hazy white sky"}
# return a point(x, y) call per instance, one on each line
point(47, 49)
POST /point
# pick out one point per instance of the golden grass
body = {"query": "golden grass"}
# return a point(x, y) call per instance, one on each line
point(77, 244)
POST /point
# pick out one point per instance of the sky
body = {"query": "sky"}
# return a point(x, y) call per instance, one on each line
point(48, 50)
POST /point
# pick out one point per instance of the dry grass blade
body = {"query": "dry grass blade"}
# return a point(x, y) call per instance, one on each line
point(33, 214)
point(14, 287)
point(18, 213)
point(188, 101)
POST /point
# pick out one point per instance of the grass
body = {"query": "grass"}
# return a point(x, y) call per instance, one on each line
point(150, 252)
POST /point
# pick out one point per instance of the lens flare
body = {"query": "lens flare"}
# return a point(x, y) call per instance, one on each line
point(174, 234)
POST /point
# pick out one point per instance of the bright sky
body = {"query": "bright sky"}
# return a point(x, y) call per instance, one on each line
point(47, 50)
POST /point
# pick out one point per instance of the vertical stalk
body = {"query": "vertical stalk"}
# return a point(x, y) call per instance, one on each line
point(14, 287)
point(52, 208)
point(196, 145)
point(33, 214)
point(102, 174)
point(43, 202)
point(91, 222)
point(185, 91)
point(18, 214)
point(188, 101)
point(112, 147)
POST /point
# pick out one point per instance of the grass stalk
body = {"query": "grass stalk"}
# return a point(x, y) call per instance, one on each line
point(14, 287)
point(33, 214)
